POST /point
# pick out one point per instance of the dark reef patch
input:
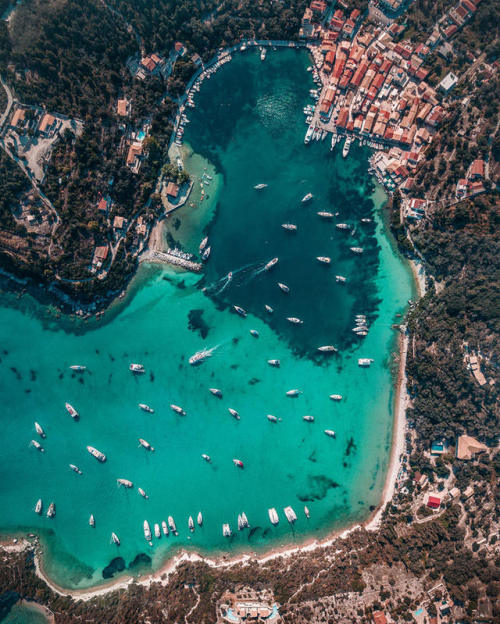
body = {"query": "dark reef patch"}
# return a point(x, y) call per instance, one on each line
point(115, 565)
point(318, 488)
point(196, 323)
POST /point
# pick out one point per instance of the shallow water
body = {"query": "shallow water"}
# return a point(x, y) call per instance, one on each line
point(248, 127)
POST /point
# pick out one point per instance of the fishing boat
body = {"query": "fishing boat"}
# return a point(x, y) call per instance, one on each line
point(75, 469)
point(164, 527)
point(78, 368)
point(254, 333)
point(125, 482)
point(340, 279)
point(171, 525)
point(294, 320)
point(199, 519)
point(328, 349)
point(323, 259)
point(137, 368)
point(283, 287)
point(206, 254)
point(364, 362)
point(239, 311)
point(330, 433)
point(273, 516)
point(259, 187)
point(115, 539)
point(342, 226)
point(71, 411)
point(216, 392)
point(325, 215)
point(146, 408)
point(38, 446)
point(233, 413)
point(97, 454)
point(290, 514)
point(201, 356)
point(268, 309)
point(238, 463)
point(206, 457)
point(157, 530)
point(147, 531)
point(275, 363)
point(142, 493)
point(271, 263)
point(203, 244)
point(92, 521)
point(226, 530)
point(306, 512)
point(39, 506)
point(336, 397)
point(356, 250)
point(177, 409)
point(272, 418)
point(191, 524)
point(146, 445)
point(291, 227)
point(51, 511)
point(293, 393)
point(308, 418)
point(39, 430)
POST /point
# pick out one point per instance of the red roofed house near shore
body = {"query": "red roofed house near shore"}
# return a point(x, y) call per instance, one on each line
point(434, 502)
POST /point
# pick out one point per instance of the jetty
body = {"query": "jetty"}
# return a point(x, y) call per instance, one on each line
point(169, 257)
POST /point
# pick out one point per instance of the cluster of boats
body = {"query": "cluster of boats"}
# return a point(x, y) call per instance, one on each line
point(222, 59)
point(315, 133)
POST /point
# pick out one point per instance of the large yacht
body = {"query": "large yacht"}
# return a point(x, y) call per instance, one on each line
point(273, 516)
point(71, 411)
point(147, 531)
point(308, 136)
point(347, 145)
point(97, 454)
point(342, 226)
point(356, 250)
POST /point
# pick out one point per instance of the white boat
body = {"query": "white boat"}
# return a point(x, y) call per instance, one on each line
point(289, 226)
point(336, 397)
point(308, 418)
point(268, 309)
point(342, 226)
point(125, 482)
point(171, 525)
point(328, 349)
point(114, 539)
point(356, 250)
point(360, 329)
point(293, 393)
point(275, 363)
point(325, 215)
point(136, 368)
point(39, 430)
point(203, 244)
point(254, 333)
point(308, 136)
point(273, 516)
point(290, 514)
point(233, 413)
point(146, 445)
point(201, 356)
point(206, 457)
point(38, 446)
point(157, 530)
point(97, 454)
point(240, 522)
point(238, 463)
point(92, 521)
point(323, 259)
point(272, 418)
point(330, 433)
point(307, 197)
point(216, 392)
point(306, 512)
point(199, 519)
point(142, 493)
point(271, 263)
point(191, 524)
point(177, 409)
point(262, 54)
point(258, 187)
point(362, 333)
point(51, 511)
point(240, 311)
point(147, 531)
point(244, 520)
point(206, 254)
point(347, 145)
point(364, 362)
point(283, 287)
point(164, 527)
point(78, 368)
point(340, 279)
point(294, 320)
point(75, 469)
point(146, 408)
point(226, 530)
point(39, 506)
point(366, 220)
point(71, 411)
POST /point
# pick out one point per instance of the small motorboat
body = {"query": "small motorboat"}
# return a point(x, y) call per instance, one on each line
point(323, 259)
point(271, 263)
point(238, 463)
point(146, 444)
point(268, 309)
point(38, 446)
point(293, 393)
point(146, 408)
point(307, 512)
point(275, 363)
point(157, 530)
point(51, 511)
point(177, 409)
point(330, 433)
point(78, 368)
point(142, 493)
point(308, 418)
point(273, 516)
point(254, 333)
point(75, 469)
point(191, 524)
point(290, 227)
point(336, 397)
point(307, 198)
point(239, 311)
point(71, 411)
point(137, 369)
point(272, 418)
point(164, 527)
point(199, 519)
point(92, 521)
point(226, 530)
point(283, 287)
point(39, 430)
point(39, 506)
point(216, 392)
point(206, 457)
point(233, 413)
point(294, 320)
point(327, 349)
point(125, 483)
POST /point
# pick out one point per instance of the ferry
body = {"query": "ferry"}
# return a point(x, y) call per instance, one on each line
point(347, 146)
point(164, 527)
point(275, 363)
point(307, 138)
point(325, 215)
point(262, 54)
point(323, 259)
point(271, 263)
point(203, 244)
point(114, 539)
point(39, 506)
point(125, 482)
point(254, 333)
point(51, 511)
point(146, 445)
point(294, 320)
point(307, 198)
point(328, 349)
point(356, 250)
point(342, 226)
point(157, 530)
point(92, 521)
point(306, 512)
point(75, 469)
point(259, 187)
point(97, 454)
point(147, 531)
point(291, 227)
point(171, 525)
point(226, 530)
point(268, 309)
point(72, 411)
point(238, 463)
point(137, 368)
point(199, 519)
point(142, 493)
point(308, 418)
point(206, 254)
point(177, 409)
point(364, 362)
point(283, 287)
point(206, 457)
point(293, 393)
point(233, 413)
point(38, 446)
point(272, 418)
point(273, 516)
point(239, 311)
point(201, 356)
point(146, 408)
point(216, 392)
point(78, 368)
point(336, 397)
point(191, 524)
point(340, 279)
point(330, 433)
point(290, 514)
point(39, 430)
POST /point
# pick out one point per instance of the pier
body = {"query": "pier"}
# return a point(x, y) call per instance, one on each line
point(171, 256)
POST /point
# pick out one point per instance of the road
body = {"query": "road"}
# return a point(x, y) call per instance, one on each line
point(10, 101)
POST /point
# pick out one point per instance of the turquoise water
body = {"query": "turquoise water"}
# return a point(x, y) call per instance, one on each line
point(247, 128)
point(25, 613)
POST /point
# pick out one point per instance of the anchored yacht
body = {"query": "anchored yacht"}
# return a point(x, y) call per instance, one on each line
point(323, 259)
point(290, 514)
point(51, 511)
point(71, 411)
point(259, 187)
point(39, 506)
point(177, 409)
point(307, 198)
point(336, 397)
point(356, 250)
point(342, 226)
point(92, 521)
point(75, 469)
point(273, 516)
point(275, 363)
point(142, 493)
point(244, 520)
point(199, 519)
point(293, 393)
point(203, 244)
point(39, 430)
point(146, 408)
point(283, 287)
point(146, 445)
point(254, 333)
point(365, 362)
point(164, 527)
point(272, 418)
point(125, 482)
point(206, 457)
point(240, 311)
point(114, 539)
point(294, 320)
point(216, 392)
point(97, 454)
point(340, 279)
point(157, 530)
point(268, 308)
point(328, 349)
point(147, 531)
point(326, 215)
point(306, 512)
point(233, 413)
point(289, 226)
point(38, 446)
point(238, 463)
point(137, 368)
point(308, 418)
point(206, 254)
point(191, 524)
point(226, 530)
point(78, 368)
point(171, 525)
point(330, 433)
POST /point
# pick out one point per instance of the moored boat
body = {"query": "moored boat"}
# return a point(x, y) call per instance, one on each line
point(342, 226)
point(71, 411)
point(157, 530)
point(308, 418)
point(164, 527)
point(206, 457)
point(199, 519)
point(142, 493)
point(226, 530)
point(240, 311)
point(330, 433)
point(307, 512)
point(233, 413)
point(323, 259)
point(325, 215)
point(268, 309)
point(171, 525)
point(307, 197)
point(75, 469)
point(291, 227)
point(365, 362)
point(216, 392)
point(254, 333)
point(272, 418)
point(125, 482)
point(340, 279)
point(97, 454)
point(92, 521)
point(203, 244)
point(336, 397)
point(78, 368)
point(146, 408)
point(283, 287)
point(293, 393)
point(39, 506)
point(206, 254)
point(147, 531)
point(177, 409)
point(38, 446)
point(275, 363)
point(290, 514)
point(39, 430)
point(191, 524)
point(146, 445)
point(136, 368)
point(115, 539)
point(294, 320)
point(327, 349)
point(356, 250)
point(238, 463)
point(259, 187)
point(244, 520)
point(273, 516)
point(51, 511)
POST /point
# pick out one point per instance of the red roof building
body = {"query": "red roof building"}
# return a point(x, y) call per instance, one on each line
point(355, 13)
point(477, 170)
point(342, 118)
point(379, 617)
point(434, 502)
